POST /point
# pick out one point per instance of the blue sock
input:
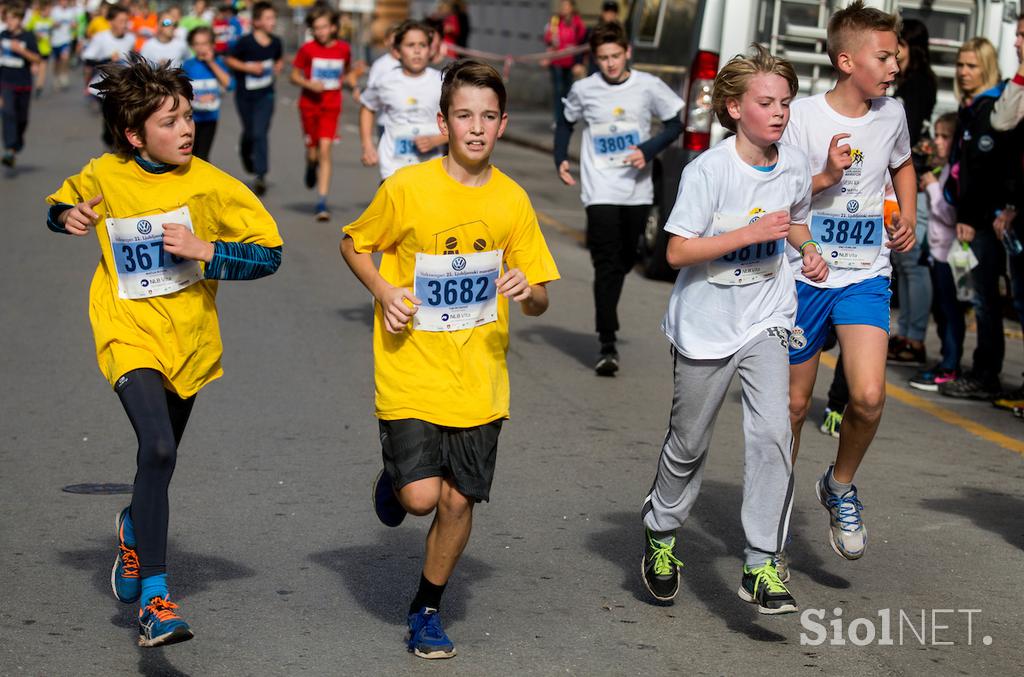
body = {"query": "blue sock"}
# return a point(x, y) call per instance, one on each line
point(129, 529)
point(153, 586)
point(321, 203)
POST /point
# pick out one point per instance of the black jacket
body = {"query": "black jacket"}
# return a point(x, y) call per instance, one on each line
point(986, 167)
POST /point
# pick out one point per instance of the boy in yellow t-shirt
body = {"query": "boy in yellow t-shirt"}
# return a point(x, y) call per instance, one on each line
point(458, 239)
point(169, 226)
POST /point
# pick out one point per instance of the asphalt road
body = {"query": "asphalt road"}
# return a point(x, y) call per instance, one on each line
point(282, 568)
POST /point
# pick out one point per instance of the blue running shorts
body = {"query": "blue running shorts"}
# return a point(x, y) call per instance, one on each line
point(818, 310)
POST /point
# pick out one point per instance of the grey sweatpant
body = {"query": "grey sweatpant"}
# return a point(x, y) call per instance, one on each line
point(700, 389)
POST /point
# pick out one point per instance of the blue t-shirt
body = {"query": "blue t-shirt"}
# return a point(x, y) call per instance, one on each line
point(206, 93)
point(15, 70)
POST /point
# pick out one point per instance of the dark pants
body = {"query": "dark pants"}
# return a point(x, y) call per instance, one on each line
point(255, 113)
point(561, 83)
point(613, 232)
point(949, 315)
point(15, 116)
point(203, 140)
point(158, 417)
point(992, 260)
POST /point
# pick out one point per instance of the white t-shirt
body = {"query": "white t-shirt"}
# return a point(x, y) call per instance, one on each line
point(846, 219)
point(64, 21)
point(382, 65)
point(104, 47)
point(718, 192)
point(617, 116)
point(407, 107)
point(174, 51)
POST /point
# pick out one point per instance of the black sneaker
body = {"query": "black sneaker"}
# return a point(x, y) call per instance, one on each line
point(607, 364)
point(8, 159)
point(311, 170)
point(659, 568)
point(967, 387)
point(389, 509)
point(259, 186)
point(762, 586)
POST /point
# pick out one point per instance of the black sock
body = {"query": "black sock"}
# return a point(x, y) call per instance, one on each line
point(428, 595)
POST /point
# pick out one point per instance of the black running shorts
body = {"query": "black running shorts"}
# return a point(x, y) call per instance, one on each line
point(414, 450)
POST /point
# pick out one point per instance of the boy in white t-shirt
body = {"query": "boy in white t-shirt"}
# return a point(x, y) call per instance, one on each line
point(406, 99)
point(618, 105)
point(731, 312)
point(855, 137)
point(165, 46)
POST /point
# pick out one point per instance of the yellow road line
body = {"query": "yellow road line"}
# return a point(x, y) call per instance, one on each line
point(563, 228)
point(941, 413)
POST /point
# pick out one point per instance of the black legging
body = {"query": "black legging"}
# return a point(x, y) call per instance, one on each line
point(613, 232)
point(159, 417)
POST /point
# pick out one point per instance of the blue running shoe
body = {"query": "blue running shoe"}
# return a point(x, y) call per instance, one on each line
point(385, 503)
point(124, 576)
point(159, 625)
point(427, 638)
point(847, 533)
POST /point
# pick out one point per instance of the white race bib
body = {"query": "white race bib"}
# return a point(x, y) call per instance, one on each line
point(144, 269)
point(327, 71)
point(753, 263)
point(261, 81)
point(206, 94)
point(404, 137)
point(8, 59)
point(611, 143)
point(459, 291)
point(849, 230)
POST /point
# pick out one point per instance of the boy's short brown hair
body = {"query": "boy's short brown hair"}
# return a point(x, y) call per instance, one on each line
point(410, 25)
point(260, 7)
point(321, 10)
point(471, 73)
point(611, 32)
point(133, 91)
point(848, 24)
point(733, 79)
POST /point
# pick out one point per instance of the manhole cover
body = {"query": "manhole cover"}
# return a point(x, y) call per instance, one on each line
point(101, 488)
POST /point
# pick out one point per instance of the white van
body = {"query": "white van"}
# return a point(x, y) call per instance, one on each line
point(684, 41)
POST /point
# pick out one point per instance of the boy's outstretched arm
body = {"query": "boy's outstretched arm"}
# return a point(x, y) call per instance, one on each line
point(393, 300)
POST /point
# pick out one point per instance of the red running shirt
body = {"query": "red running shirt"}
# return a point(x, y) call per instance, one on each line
point(326, 64)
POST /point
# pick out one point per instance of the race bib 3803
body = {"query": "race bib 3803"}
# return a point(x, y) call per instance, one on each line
point(458, 291)
point(612, 143)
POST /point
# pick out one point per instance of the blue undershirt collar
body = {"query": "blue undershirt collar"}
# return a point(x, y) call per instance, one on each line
point(153, 167)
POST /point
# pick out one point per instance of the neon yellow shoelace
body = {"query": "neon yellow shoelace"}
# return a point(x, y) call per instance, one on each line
point(663, 556)
point(767, 576)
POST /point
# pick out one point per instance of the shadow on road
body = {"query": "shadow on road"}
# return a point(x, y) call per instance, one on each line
point(362, 313)
point(990, 510)
point(153, 663)
point(582, 347)
point(382, 577)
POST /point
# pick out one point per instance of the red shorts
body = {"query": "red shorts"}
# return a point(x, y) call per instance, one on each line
point(318, 123)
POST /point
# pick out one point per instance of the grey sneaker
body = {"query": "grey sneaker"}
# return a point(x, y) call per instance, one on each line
point(847, 533)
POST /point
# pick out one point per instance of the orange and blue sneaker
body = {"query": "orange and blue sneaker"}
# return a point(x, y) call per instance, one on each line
point(124, 576)
point(159, 625)
point(427, 639)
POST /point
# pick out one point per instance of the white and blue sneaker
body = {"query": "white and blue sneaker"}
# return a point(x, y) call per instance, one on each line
point(427, 639)
point(847, 533)
point(124, 575)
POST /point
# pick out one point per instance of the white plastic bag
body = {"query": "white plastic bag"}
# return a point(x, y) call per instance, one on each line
point(962, 260)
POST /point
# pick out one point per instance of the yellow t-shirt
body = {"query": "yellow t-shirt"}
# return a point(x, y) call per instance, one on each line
point(98, 24)
point(177, 334)
point(457, 378)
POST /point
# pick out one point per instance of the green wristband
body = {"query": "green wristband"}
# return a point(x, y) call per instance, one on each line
point(804, 245)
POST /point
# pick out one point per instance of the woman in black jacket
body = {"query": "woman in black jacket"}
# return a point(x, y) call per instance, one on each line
point(986, 177)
